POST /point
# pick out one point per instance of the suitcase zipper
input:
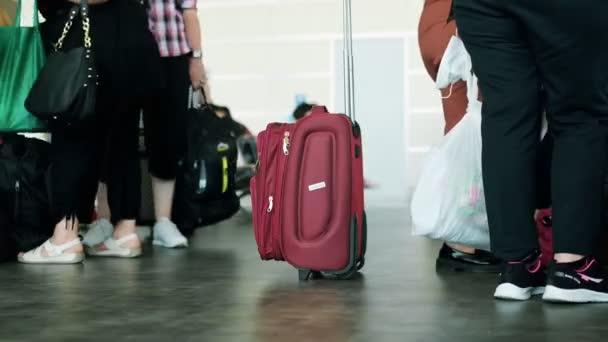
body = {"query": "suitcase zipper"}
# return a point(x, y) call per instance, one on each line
point(267, 194)
point(286, 143)
point(281, 173)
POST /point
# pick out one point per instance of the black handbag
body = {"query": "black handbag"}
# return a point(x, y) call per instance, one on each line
point(65, 91)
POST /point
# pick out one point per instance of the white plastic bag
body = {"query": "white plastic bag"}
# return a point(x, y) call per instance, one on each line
point(449, 202)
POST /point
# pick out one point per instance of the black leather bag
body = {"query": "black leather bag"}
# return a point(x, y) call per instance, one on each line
point(65, 91)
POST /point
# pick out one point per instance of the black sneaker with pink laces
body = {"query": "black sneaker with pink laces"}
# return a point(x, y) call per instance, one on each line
point(522, 279)
point(584, 281)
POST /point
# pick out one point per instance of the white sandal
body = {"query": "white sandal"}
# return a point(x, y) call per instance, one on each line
point(54, 254)
point(114, 248)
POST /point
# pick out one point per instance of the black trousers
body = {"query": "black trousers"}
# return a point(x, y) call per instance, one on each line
point(543, 171)
point(80, 155)
point(517, 48)
point(165, 116)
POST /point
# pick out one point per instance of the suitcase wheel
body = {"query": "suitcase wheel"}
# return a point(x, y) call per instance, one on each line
point(305, 275)
point(361, 263)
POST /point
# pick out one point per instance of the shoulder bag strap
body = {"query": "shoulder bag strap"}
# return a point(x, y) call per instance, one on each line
point(83, 8)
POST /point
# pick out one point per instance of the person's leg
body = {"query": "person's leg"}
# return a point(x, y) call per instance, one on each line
point(434, 33)
point(511, 123)
point(72, 174)
point(103, 208)
point(164, 124)
point(164, 132)
point(572, 59)
point(510, 85)
point(102, 228)
point(123, 175)
point(164, 168)
point(543, 171)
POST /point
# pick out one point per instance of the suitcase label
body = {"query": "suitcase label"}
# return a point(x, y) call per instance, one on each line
point(317, 186)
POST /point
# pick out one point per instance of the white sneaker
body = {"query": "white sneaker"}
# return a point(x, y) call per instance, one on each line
point(167, 235)
point(99, 231)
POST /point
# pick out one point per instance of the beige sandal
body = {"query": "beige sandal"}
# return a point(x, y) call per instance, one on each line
point(54, 254)
point(114, 248)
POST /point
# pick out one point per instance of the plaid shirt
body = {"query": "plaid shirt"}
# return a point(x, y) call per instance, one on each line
point(166, 22)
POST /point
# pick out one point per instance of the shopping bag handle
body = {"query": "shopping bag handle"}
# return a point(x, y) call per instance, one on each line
point(19, 19)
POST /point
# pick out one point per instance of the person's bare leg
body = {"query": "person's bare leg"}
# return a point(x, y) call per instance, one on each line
point(567, 257)
point(103, 209)
point(461, 248)
point(65, 231)
point(163, 191)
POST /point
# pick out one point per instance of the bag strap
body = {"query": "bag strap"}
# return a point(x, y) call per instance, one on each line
point(86, 25)
point(18, 17)
point(191, 98)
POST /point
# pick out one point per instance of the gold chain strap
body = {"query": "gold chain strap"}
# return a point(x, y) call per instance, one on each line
point(64, 34)
point(86, 27)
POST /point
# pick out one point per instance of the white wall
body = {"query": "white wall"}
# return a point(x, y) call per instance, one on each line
point(261, 53)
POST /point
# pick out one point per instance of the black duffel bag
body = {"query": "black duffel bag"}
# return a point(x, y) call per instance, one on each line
point(205, 191)
point(25, 220)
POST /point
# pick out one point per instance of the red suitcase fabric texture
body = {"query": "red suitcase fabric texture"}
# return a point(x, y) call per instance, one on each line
point(307, 194)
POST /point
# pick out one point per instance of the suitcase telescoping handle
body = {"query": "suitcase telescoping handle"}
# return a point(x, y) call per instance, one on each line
point(349, 72)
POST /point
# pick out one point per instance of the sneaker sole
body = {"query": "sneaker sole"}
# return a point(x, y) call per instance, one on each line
point(512, 292)
point(179, 245)
point(556, 295)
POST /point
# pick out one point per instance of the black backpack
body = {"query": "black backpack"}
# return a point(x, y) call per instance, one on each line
point(205, 186)
point(25, 220)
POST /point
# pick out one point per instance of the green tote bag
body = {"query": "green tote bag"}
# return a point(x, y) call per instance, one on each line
point(21, 58)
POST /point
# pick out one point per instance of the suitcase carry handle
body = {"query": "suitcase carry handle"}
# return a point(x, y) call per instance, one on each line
point(319, 110)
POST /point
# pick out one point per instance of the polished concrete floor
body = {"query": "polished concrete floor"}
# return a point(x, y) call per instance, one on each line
point(219, 290)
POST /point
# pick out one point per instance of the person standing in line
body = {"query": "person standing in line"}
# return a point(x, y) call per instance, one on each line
point(519, 50)
point(176, 27)
point(125, 51)
point(434, 32)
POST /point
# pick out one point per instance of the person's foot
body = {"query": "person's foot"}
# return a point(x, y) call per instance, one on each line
point(522, 279)
point(479, 261)
point(127, 246)
point(51, 252)
point(584, 281)
point(167, 235)
point(99, 231)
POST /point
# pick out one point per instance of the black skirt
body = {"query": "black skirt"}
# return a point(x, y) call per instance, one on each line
point(126, 53)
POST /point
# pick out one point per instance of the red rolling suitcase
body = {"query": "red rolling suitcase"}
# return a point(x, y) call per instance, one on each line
point(307, 194)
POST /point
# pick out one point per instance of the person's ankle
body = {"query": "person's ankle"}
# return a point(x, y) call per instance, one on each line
point(461, 248)
point(566, 258)
point(124, 228)
point(65, 231)
point(62, 238)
